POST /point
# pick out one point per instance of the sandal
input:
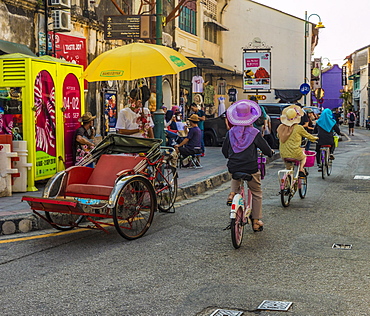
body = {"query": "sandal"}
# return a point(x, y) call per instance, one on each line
point(302, 174)
point(257, 225)
point(230, 198)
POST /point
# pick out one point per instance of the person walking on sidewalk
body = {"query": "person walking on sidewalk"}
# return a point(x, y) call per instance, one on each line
point(240, 148)
point(351, 122)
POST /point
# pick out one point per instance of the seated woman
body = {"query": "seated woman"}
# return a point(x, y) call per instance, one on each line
point(290, 134)
point(325, 127)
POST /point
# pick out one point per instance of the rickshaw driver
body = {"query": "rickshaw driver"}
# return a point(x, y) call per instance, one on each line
point(135, 120)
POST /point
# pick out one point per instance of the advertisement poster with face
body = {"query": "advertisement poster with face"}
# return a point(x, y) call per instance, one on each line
point(110, 110)
point(44, 98)
point(257, 70)
point(72, 112)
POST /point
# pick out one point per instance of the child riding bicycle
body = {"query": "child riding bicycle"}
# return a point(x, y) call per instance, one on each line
point(290, 134)
point(325, 127)
point(240, 148)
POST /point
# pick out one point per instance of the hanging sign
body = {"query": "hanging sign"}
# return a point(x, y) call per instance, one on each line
point(304, 88)
point(256, 70)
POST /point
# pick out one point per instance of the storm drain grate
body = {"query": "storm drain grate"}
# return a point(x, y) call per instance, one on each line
point(275, 305)
point(342, 246)
point(224, 312)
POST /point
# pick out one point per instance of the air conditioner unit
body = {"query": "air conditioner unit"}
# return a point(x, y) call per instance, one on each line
point(60, 3)
point(61, 20)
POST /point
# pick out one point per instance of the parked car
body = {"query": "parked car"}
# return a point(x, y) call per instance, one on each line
point(215, 130)
point(274, 110)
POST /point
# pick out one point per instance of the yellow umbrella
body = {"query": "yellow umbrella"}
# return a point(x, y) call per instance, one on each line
point(134, 61)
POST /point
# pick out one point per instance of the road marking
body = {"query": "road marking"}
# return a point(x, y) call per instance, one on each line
point(43, 236)
point(361, 178)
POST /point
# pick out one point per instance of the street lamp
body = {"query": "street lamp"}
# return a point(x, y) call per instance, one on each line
point(306, 33)
point(328, 64)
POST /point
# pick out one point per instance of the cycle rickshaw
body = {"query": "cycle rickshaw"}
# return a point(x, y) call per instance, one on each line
point(132, 177)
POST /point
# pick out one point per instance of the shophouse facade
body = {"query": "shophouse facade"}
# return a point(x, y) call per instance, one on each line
point(333, 87)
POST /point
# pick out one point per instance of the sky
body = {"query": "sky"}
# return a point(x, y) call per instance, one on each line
point(347, 24)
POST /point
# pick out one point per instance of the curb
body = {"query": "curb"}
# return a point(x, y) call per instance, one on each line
point(27, 222)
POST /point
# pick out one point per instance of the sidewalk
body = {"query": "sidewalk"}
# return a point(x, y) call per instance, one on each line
point(16, 216)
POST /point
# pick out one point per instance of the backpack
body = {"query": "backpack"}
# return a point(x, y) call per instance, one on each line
point(351, 117)
point(261, 120)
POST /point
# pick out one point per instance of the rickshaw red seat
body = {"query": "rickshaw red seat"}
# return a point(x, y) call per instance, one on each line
point(98, 182)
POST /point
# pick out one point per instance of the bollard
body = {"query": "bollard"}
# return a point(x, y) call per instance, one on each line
point(20, 183)
point(6, 170)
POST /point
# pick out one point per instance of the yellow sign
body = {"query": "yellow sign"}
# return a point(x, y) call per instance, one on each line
point(258, 97)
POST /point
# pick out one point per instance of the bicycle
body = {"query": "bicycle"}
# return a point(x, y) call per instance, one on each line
point(241, 207)
point(326, 161)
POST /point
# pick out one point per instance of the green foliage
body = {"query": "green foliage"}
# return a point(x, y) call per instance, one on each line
point(347, 101)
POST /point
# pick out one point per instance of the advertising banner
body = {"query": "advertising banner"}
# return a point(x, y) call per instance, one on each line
point(11, 112)
point(110, 110)
point(72, 112)
point(44, 107)
point(256, 70)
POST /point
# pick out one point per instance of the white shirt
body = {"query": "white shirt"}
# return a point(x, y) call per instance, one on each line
point(197, 82)
point(127, 119)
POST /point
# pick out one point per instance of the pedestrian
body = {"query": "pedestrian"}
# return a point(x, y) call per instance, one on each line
point(192, 140)
point(135, 120)
point(267, 133)
point(240, 148)
point(290, 134)
point(202, 117)
point(83, 138)
point(351, 116)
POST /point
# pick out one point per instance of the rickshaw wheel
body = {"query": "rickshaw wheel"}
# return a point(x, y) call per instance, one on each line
point(134, 210)
point(165, 186)
point(58, 220)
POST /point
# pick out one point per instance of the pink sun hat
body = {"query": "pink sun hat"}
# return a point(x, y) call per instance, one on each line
point(243, 112)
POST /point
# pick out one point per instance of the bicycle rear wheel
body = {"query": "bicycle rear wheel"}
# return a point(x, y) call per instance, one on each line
point(237, 228)
point(303, 187)
point(285, 194)
point(165, 186)
point(330, 166)
point(135, 208)
point(324, 165)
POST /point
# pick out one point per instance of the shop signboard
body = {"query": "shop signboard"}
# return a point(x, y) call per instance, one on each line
point(127, 27)
point(256, 70)
point(45, 125)
point(71, 114)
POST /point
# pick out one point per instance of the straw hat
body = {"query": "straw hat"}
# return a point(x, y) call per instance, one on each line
point(243, 112)
point(86, 118)
point(291, 115)
point(194, 118)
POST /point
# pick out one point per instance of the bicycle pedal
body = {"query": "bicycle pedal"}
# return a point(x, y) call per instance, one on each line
point(228, 227)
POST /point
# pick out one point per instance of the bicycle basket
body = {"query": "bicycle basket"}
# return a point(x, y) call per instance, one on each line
point(310, 158)
point(336, 140)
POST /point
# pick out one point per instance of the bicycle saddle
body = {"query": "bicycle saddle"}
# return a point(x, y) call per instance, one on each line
point(242, 176)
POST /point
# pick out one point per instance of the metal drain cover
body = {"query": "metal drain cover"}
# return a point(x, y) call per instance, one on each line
point(342, 246)
point(275, 305)
point(224, 312)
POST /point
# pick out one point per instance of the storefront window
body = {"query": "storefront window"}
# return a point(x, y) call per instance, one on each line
point(11, 112)
point(210, 32)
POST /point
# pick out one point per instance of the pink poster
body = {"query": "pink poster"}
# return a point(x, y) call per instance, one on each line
point(72, 111)
point(44, 97)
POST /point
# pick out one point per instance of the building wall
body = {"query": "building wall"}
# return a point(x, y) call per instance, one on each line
point(332, 85)
point(284, 33)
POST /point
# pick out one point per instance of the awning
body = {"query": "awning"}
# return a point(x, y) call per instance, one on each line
point(288, 95)
point(354, 76)
point(9, 48)
point(210, 64)
point(221, 27)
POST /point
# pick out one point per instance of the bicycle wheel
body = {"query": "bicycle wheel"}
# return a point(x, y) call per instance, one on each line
point(165, 186)
point(59, 221)
point(237, 228)
point(135, 208)
point(323, 164)
point(329, 166)
point(285, 193)
point(303, 187)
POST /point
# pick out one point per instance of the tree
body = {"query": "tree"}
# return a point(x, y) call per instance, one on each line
point(346, 96)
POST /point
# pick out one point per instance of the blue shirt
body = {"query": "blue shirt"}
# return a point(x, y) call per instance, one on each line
point(194, 136)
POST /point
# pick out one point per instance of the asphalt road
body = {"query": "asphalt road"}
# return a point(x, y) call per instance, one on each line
point(186, 265)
